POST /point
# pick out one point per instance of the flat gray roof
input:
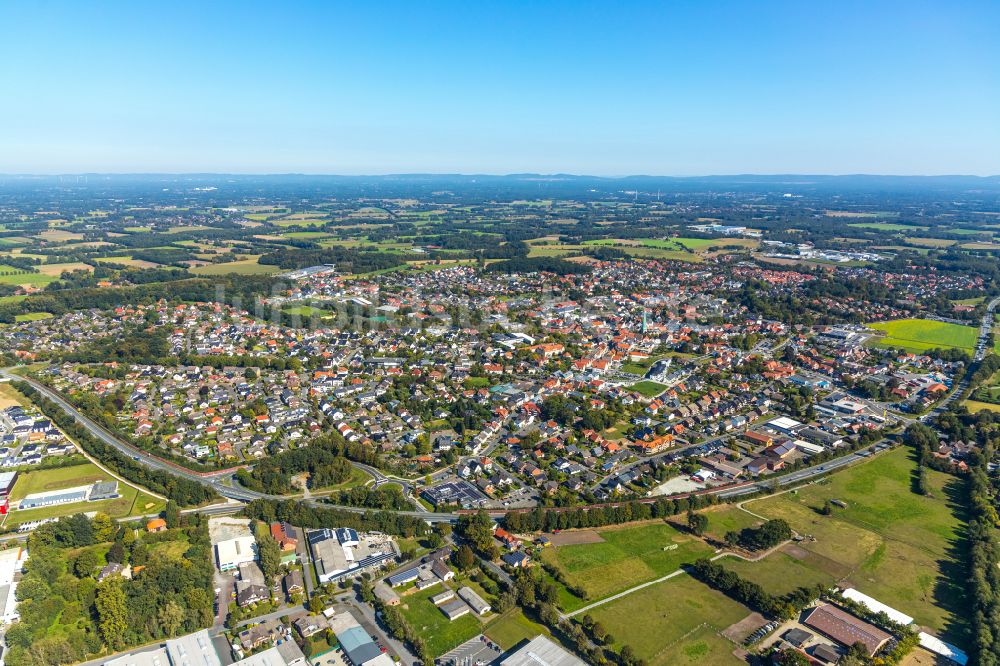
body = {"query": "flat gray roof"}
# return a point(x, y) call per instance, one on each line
point(541, 651)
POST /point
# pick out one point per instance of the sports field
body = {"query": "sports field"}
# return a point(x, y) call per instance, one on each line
point(900, 547)
point(919, 335)
point(130, 501)
point(674, 622)
point(624, 557)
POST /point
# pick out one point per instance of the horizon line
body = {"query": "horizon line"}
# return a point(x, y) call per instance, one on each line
point(560, 174)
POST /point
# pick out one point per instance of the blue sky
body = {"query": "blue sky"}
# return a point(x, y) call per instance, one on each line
point(666, 88)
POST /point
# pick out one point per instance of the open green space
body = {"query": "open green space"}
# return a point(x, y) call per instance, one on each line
point(704, 646)
point(887, 226)
point(241, 267)
point(725, 518)
point(900, 547)
point(649, 389)
point(919, 335)
point(428, 621)
point(306, 234)
point(305, 311)
point(625, 557)
point(676, 621)
point(977, 406)
point(509, 630)
point(780, 573)
point(33, 316)
point(9, 275)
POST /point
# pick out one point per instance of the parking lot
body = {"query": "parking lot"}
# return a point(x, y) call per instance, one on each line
point(476, 651)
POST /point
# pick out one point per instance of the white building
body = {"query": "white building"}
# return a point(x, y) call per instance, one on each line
point(231, 553)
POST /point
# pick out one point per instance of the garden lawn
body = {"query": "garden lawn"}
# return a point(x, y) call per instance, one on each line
point(919, 335)
point(673, 622)
point(626, 557)
point(900, 547)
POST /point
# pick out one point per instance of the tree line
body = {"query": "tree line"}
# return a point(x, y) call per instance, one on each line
point(313, 517)
point(547, 520)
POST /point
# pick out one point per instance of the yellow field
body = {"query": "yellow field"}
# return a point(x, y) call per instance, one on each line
point(55, 270)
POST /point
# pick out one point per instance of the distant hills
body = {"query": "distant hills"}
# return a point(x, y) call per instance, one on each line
point(527, 185)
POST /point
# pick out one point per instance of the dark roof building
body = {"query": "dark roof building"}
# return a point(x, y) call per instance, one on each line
point(846, 629)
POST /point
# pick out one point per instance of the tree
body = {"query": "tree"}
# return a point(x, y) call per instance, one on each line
point(790, 657)
point(465, 559)
point(104, 528)
point(315, 604)
point(697, 522)
point(172, 514)
point(85, 564)
point(116, 553)
point(270, 555)
point(112, 612)
point(171, 617)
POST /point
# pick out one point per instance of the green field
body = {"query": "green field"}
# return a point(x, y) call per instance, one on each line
point(33, 316)
point(305, 311)
point(428, 621)
point(891, 543)
point(648, 388)
point(976, 406)
point(241, 267)
point(919, 335)
point(626, 557)
point(674, 622)
point(886, 226)
point(509, 630)
point(725, 518)
point(311, 235)
point(10, 275)
point(780, 573)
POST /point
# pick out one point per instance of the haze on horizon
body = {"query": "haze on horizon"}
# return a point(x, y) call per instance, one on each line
point(587, 88)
